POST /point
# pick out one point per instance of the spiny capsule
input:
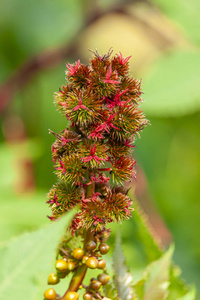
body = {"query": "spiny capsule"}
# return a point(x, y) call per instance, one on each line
point(101, 264)
point(61, 265)
point(92, 262)
point(104, 248)
point(78, 253)
point(50, 294)
point(53, 278)
point(72, 296)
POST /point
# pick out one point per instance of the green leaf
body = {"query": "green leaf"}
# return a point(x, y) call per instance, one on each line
point(172, 87)
point(26, 261)
point(148, 239)
point(185, 13)
point(155, 282)
point(191, 295)
point(122, 277)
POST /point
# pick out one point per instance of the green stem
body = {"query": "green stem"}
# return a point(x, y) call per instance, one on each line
point(80, 272)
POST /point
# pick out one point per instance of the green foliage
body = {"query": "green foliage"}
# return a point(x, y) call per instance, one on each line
point(174, 93)
point(27, 259)
point(122, 277)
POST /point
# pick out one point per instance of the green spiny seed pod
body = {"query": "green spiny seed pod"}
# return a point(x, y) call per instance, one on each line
point(91, 246)
point(104, 248)
point(61, 265)
point(71, 265)
point(72, 296)
point(103, 278)
point(101, 264)
point(92, 262)
point(78, 253)
point(50, 294)
point(95, 285)
point(53, 278)
point(87, 296)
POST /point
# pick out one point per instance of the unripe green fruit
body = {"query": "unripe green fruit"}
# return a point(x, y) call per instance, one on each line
point(62, 274)
point(50, 294)
point(87, 296)
point(61, 265)
point(78, 253)
point(104, 248)
point(85, 257)
point(72, 296)
point(91, 246)
point(103, 278)
point(92, 262)
point(71, 265)
point(53, 278)
point(101, 264)
point(95, 285)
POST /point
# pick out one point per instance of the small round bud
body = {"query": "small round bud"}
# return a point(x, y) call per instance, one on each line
point(53, 278)
point(72, 296)
point(104, 248)
point(92, 262)
point(95, 285)
point(61, 265)
point(91, 246)
point(101, 264)
point(71, 265)
point(50, 294)
point(85, 257)
point(103, 278)
point(78, 253)
point(87, 296)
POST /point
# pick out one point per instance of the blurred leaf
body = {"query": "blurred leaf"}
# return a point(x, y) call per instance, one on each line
point(154, 284)
point(122, 277)
point(28, 258)
point(147, 237)
point(172, 86)
point(185, 13)
point(191, 295)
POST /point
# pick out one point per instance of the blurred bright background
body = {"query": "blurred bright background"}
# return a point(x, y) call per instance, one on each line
point(37, 38)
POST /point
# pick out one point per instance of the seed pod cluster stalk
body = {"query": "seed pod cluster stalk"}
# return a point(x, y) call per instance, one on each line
point(92, 159)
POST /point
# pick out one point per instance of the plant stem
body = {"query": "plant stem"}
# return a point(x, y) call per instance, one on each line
point(80, 272)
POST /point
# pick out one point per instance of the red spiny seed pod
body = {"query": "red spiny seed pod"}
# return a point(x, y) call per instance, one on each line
point(72, 296)
point(53, 278)
point(92, 262)
point(50, 294)
point(104, 248)
point(101, 264)
point(61, 265)
point(78, 253)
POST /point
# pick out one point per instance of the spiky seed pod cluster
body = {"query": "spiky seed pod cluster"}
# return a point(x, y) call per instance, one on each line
point(92, 159)
point(101, 102)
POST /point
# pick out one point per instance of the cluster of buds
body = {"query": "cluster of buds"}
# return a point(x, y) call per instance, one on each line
point(92, 159)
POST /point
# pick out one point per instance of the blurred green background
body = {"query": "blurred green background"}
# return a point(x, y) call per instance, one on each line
point(36, 40)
